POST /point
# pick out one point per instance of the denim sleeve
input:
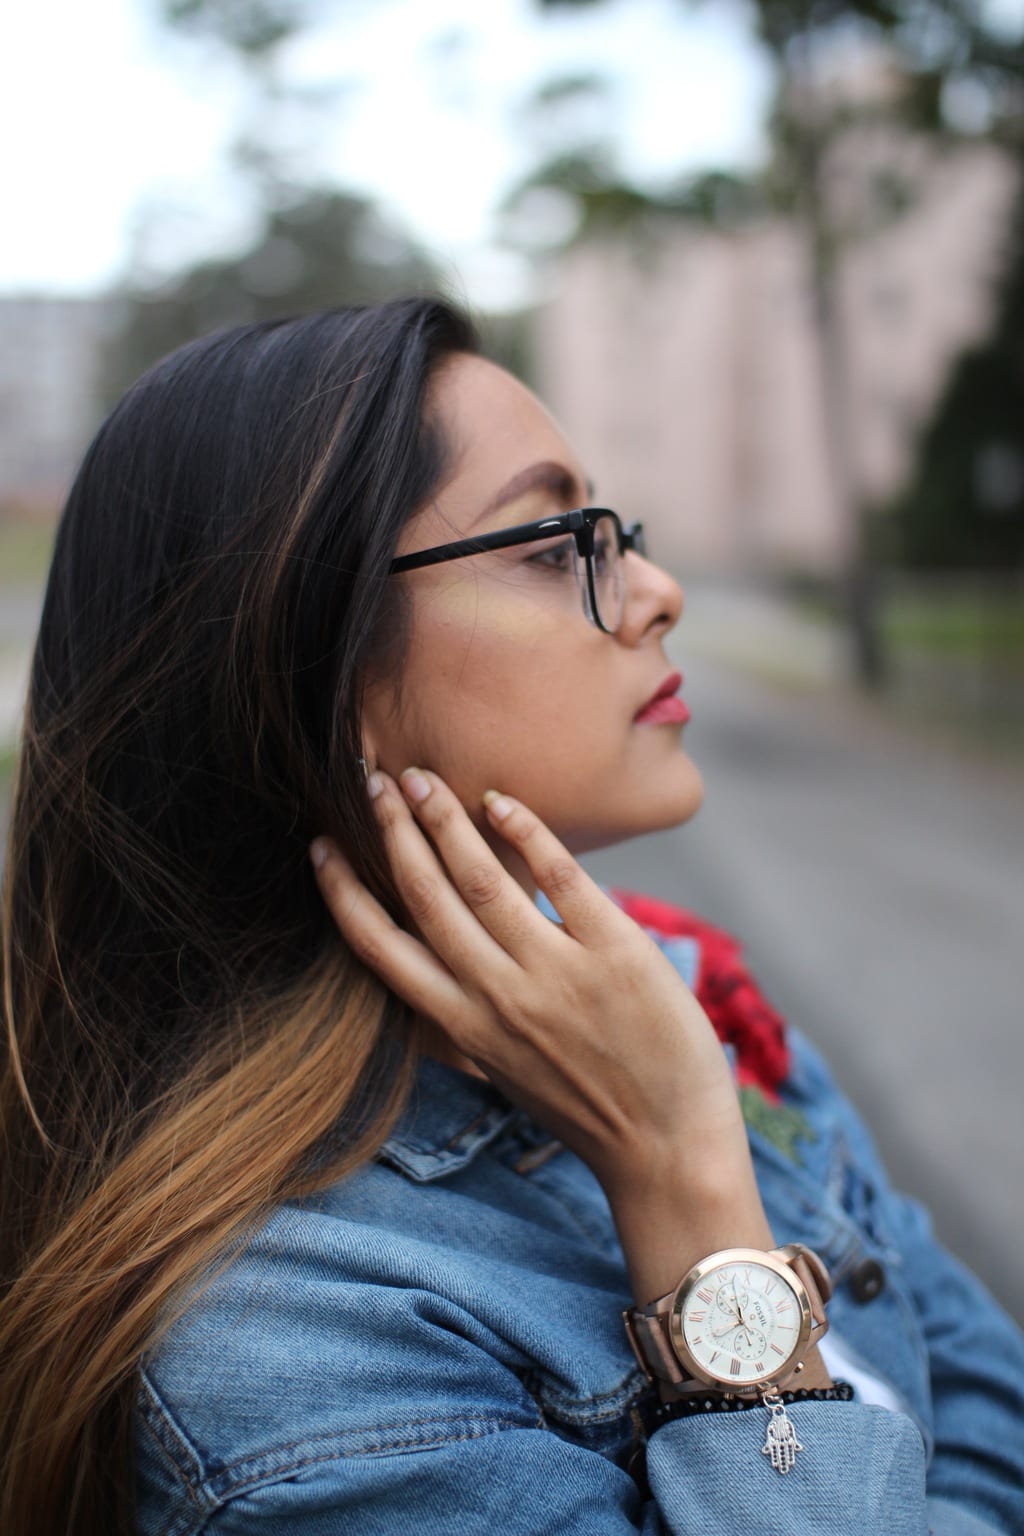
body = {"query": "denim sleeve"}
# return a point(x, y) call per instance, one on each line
point(865, 1474)
point(975, 1478)
point(976, 1360)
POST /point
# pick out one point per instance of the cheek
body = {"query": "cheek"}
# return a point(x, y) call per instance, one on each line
point(510, 686)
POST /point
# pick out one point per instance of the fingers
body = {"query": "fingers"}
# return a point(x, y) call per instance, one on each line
point(486, 888)
point(434, 905)
point(477, 929)
point(588, 914)
point(401, 961)
point(493, 898)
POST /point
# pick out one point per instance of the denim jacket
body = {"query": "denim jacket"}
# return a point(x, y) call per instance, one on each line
point(434, 1347)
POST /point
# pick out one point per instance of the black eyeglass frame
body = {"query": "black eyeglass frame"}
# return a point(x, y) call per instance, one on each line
point(580, 523)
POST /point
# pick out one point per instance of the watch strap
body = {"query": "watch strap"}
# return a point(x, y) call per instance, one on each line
point(649, 1337)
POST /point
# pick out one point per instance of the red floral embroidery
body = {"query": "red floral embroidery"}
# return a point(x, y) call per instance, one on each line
point(740, 1013)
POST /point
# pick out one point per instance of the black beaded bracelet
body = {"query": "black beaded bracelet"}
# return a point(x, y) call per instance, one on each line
point(654, 1413)
point(698, 1403)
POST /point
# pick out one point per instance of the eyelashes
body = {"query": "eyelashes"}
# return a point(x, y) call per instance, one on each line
point(556, 558)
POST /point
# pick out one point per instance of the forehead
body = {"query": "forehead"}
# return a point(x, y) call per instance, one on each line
point(495, 428)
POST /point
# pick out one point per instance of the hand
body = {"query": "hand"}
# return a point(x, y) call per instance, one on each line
point(588, 1026)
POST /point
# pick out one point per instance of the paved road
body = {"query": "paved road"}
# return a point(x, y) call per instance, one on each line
point(876, 882)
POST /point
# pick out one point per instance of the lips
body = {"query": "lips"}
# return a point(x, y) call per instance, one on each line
point(664, 712)
point(662, 708)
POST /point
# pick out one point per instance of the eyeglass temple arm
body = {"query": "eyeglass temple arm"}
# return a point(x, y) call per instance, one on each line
point(503, 539)
point(575, 522)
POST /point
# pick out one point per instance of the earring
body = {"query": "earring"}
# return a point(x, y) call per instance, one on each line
point(362, 764)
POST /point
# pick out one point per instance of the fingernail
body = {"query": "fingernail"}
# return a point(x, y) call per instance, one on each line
point(374, 785)
point(415, 785)
point(498, 805)
point(318, 851)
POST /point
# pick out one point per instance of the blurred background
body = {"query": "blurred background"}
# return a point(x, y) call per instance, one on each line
point(765, 261)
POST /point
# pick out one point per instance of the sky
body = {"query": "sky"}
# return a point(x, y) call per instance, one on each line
point(106, 119)
point(115, 132)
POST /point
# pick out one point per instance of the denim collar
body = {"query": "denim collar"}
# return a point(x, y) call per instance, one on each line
point(451, 1114)
point(450, 1117)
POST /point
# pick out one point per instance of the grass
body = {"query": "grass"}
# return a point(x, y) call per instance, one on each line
point(7, 760)
point(980, 624)
point(25, 547)
point(983, 626)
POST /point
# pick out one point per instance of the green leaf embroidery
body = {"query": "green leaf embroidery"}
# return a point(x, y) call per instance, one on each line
point(780, 1124)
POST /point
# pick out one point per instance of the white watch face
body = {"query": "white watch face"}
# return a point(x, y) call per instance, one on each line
point(742, 1322)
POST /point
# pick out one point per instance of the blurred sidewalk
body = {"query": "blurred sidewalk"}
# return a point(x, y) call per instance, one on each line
point(942, 702)
point(763, 634)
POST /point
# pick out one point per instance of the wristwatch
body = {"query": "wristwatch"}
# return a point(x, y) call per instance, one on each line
point(739, 1324)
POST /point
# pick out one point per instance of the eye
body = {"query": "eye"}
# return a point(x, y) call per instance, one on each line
point(554, 557)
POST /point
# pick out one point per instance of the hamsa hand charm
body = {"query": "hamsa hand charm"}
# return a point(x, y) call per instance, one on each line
point(780, 1441)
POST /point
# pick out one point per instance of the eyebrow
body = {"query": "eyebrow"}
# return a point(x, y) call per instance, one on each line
point(545, 476)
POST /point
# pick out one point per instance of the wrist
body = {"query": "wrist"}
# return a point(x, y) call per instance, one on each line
point(667, 1227)
point(709, 1332)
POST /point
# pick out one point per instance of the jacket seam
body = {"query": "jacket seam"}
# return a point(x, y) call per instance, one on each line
point(581, 1226)
point(576, 1411)
point(271, 1475)
point(166, 1435)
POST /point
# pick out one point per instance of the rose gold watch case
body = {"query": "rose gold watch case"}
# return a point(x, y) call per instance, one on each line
point(691, 1282)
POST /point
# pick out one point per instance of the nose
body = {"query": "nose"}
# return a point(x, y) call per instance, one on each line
point(653, 600)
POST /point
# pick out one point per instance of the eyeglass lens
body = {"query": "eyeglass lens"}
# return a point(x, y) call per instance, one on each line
point(609, 577)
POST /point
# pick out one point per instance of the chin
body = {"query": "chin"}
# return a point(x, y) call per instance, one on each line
point(658, 809)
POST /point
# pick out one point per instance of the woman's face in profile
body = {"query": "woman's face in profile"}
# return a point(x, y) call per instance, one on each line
point(505, 684)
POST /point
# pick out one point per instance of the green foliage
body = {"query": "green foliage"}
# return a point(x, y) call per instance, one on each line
point(254, 29)
point(965, 506)
point(607, 202)
point(321, 250)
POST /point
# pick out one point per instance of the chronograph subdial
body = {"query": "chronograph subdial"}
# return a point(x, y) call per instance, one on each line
point(732, 1297)
point(748, 1343)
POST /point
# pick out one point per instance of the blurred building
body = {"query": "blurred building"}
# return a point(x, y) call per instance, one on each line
point(50, 354)
point(688, 371)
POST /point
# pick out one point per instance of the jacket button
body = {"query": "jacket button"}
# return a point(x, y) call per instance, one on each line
point(867, 1281)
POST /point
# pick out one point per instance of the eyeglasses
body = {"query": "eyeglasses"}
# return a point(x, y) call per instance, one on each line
point(599, 543)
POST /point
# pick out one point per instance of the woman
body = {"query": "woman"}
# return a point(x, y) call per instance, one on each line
point(329, 1179)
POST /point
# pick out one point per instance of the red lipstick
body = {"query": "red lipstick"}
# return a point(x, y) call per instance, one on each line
point(662, 708)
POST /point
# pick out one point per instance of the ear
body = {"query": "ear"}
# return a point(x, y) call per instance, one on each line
point(370, 754)
point(377, 726)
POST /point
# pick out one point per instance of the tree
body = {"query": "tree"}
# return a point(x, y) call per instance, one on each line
point(964, 508)
point(320, 250)
point(940, 47)
point(316, 246)
point(945, 53)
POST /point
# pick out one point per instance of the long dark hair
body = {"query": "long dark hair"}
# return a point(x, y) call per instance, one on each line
point(186, 1031)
